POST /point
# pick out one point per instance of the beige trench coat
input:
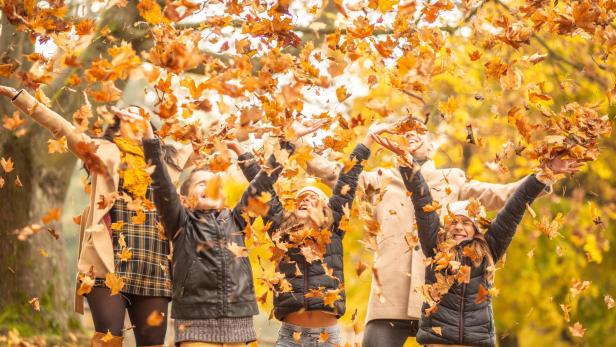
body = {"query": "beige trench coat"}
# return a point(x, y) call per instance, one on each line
point(401, 270)
point(95, 245)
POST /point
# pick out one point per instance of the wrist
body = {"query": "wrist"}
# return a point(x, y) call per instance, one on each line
point(368, 140)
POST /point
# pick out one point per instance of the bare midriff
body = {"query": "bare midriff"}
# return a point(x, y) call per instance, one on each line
point(311, 319)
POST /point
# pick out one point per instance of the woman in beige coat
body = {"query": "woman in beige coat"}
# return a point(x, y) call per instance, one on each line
point(120, 236)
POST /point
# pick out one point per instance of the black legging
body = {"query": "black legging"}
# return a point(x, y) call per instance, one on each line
point(108, 314)
point(389, 333)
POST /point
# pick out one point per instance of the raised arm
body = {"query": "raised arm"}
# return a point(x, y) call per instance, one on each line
point(263, 182)
point(492, 196)
point(172, 213)
point(501, 231)
point(46, 117)
point(428, 223)
point(503, 227)
point(344, 191)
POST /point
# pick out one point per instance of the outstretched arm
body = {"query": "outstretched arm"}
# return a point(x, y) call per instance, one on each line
point(168, 206)
point(46, 117)
point(502, 229)
point(263, 182)
point(344, 191)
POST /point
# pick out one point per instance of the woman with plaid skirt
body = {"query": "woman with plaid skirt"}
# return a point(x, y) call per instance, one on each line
point(123, 255)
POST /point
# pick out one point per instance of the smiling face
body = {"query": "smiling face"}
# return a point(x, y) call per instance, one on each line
point(306, 202)
point(205, 191)
point(460, 229)
point(419, 144)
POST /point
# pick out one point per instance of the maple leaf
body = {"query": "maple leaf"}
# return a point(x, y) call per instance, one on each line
point(482, 294)
point(331, 296)
point(125, 254)
point(13, 122)
point(434, 206)
point(86, 283)
point(57, 146)
point(108, 93)
point(52, 215)
point(108, 337)
point(297, 335)
point(7, 165)
point(566, 309)
point(114, 283)
point(438, 331)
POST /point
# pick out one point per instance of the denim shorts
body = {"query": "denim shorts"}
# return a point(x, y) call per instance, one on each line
point(308, 337)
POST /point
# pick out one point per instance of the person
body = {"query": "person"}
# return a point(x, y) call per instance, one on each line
point(458, 310)
point(213, 290)
point(310, 297)
point(118, 229)
point(395, 303)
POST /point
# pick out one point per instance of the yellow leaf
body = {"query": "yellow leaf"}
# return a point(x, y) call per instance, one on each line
point(323, 337)
point(7, 164)
point(126, 254)
point(341, 94)
point(108, 337)
point(57, 146)
point(35, 304)
point(52, 215)
point(114, 283)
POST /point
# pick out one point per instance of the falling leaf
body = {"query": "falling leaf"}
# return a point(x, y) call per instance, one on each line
point(7, 165)
point(43, 252)
point(237, 250)
point(566, 309)
point(13, 122)
point(482, 294)
point(108, 337)
point(609, 301)
point(297, 335)
point(57, 146)
point(438, 331)
point(35, 304)
point(52, 215)
point(360, 268)
point(125, 254)
point(18, 182)
point(114, 283)
point(323, 337)
point(577, 330)
point(434, 206)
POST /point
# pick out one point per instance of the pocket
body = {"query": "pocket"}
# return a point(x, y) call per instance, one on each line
point(200, 284)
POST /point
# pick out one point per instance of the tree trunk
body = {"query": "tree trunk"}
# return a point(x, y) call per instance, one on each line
point(25, 273)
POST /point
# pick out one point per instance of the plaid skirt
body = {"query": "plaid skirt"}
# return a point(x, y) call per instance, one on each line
point(146, 271)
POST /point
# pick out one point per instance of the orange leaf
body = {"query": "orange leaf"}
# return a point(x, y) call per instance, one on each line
point(52, 215)
point(155, 318)
point(57, 146)
point(7, 165)
point(482, 295)
point(114, 283)
point(432, 207)
point(13, 122)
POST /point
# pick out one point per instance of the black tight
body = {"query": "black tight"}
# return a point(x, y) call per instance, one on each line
point(390, 333)
point(108, 314)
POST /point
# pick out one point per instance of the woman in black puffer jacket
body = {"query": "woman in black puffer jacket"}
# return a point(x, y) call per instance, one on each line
point(458, 309)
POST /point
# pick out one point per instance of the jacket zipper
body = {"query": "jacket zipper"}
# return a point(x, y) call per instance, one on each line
point(461, 320)
point(305, 284)
point(223, 262)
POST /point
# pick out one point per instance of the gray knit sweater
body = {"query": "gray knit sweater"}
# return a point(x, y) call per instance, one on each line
point(216, 330)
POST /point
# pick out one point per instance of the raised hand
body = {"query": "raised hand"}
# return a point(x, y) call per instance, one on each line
point(404, 154)
point(377, 129)
point(559, 165)
point(234, 146)
point(300, 129)
point(9, 92)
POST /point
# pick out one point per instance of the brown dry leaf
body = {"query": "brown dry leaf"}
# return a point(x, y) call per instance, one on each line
point(108, 337)
point(114, 283)
point(360, 268)
point(474, 55)
point(323, 337)
point(35, 304)
point(18, 182)
point(297, 335)
point(108, 93)
point(155, 318)
point(86, 283)
point(2, 182)
point(52, 215)
point(578, 287)
point(577, 330)
point(57, 146)
point(7, 165)
point(43, 252)
point(237, 250)
point(438, 331)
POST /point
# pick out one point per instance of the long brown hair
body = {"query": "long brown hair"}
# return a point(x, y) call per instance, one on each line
point(290, 221)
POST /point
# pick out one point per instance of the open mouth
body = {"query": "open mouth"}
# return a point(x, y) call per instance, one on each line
point(303, 208)
point(457, 235)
